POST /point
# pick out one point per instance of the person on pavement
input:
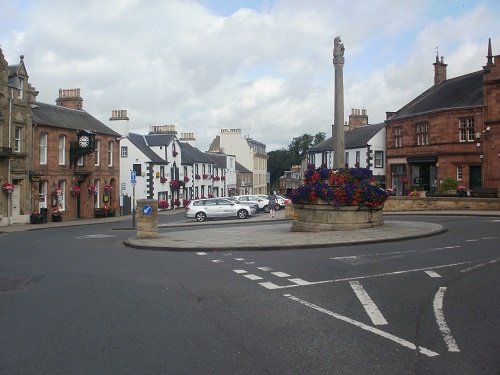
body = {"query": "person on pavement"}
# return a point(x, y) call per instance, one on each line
point(272, 204)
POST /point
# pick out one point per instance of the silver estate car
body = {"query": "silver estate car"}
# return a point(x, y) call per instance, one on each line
point(202, 209)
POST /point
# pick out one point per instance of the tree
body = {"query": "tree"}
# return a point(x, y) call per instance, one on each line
point(282, 160)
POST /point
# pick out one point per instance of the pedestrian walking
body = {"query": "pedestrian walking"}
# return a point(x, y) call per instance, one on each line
point(272, 204)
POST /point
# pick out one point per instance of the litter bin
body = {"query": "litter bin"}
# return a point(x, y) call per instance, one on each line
point(43, 213)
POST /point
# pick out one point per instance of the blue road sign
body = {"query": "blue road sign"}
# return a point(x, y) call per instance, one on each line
point(146, 210)
point(133, 176)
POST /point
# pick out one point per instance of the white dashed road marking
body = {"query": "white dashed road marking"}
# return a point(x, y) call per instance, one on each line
point(480, 265)
point(280, 274)
point(432, 274)
point(240, 271)
point(253, 277)
point(265, 268)
point(370, 307)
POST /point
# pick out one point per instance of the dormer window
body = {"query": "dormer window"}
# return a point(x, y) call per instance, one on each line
point(20, 88)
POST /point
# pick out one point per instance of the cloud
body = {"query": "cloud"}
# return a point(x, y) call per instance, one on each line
point(264, 67)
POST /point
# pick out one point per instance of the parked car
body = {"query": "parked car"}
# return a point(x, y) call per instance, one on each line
point(209, 208)
point(262, 202)
point(283, 200)
point(245, 203)
point(266, 197)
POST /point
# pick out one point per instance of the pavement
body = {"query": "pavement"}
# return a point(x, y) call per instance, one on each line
point(261, 232)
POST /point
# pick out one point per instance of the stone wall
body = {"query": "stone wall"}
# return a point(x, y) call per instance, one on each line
point(440, 204)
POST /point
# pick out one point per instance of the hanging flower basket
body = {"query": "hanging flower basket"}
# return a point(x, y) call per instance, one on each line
point(108, 188)
point(163, 179)
point(75, 190)
point(186, 179)
point(93, 189)
point(175, 153)
point(8, 187)
point(205, 176)
point(197, 177)
point(174, 184)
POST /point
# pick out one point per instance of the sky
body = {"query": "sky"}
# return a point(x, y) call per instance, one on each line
point(262, 66)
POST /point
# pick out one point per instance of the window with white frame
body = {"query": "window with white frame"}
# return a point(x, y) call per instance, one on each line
point(97, 153)
point(124, 151)
point(379, 159)
point(422, 132)
point(18, 140)
point(43, 148)
point(110, 154)
point(398, 137)
point(42, 194)
point(97, 201)
point(20, 88)
point(459, 173)
point(62, 149)
point(80, 162)
point(466, 129)
point(61, 197)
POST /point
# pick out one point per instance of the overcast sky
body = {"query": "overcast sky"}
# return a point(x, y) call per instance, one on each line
point(264, 67)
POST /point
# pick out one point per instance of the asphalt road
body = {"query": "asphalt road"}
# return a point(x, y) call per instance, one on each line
point(89, 305)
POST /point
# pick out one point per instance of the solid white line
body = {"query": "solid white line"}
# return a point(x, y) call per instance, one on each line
point(471, 240)
point(480, 265)
point(253, 277)
point(201, 253)
point(239, 258)
point(249, 262)
point(396, 252)
point(443, 327)
point(370, 307)
point(217, 261)
point(264, 268)
point(432, 274)
point(280, 274)
point(376, 331)
point(240, 271)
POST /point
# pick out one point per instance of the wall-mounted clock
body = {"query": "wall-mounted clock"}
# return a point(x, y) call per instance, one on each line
point(84, 141)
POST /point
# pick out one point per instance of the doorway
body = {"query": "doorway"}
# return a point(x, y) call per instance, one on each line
point(475, 177)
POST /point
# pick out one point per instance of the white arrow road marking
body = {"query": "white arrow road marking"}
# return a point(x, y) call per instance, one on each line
point(376, 331)
point(370, 307)
point(480, 265)
point(432, 274)
point(443, 327)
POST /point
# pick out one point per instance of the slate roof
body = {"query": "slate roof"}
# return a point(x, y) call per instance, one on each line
point(354, 138)
point(220, 160)
point(240, 168)
point(191, 155)
point(67, 118)
point(460, 92)
point(140, 142)
point(159, 139)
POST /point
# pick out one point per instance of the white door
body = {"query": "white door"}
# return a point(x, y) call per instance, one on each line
point(16, 202)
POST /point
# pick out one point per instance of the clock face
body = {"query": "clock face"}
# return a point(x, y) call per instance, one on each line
point(84, 141)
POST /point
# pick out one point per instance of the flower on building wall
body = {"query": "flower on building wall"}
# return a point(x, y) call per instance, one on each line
point(174, 184)
point(108, 188)
point(57, 191)
point(163, 205)
point(185, 202)
point(163, 179)
point(216, 178)
point(93, 189)
point(177, 202)
point(75, 190)
point(205, 176)
point(8, 187)
point(197, 176)
point(186, 179)
point(223, 178)
point(174, 153)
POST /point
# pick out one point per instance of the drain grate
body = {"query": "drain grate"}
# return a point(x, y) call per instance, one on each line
point(13, 283)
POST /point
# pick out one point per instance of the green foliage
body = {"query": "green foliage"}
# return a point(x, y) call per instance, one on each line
point(282, 160)
point(449, 183)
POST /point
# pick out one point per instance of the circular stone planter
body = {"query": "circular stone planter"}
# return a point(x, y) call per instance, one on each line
point(321, 217)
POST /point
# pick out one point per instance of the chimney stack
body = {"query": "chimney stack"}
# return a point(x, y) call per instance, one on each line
point(358, 117)
point(439, 70)
point(70, 98)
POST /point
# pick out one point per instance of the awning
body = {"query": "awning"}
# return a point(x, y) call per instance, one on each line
point(422, 159)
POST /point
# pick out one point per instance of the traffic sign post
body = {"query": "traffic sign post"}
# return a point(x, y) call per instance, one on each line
point(133, 180)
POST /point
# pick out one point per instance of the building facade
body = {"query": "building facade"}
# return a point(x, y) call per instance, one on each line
point(450, 130)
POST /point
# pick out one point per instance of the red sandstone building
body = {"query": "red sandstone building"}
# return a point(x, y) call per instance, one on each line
point(450, 130)
point(59, 170)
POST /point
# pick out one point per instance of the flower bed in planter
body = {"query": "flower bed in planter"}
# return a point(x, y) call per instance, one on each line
point(332, 200)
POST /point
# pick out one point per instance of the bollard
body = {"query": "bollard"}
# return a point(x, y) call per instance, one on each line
point(147, 218)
